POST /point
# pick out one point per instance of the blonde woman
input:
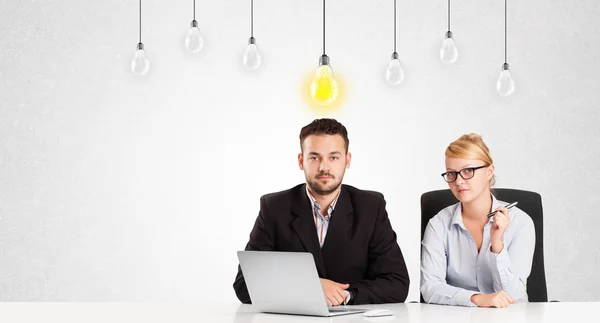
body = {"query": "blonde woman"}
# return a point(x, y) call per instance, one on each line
point(466, 258)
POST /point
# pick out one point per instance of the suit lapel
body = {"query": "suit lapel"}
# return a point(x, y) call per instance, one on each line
point(304, 226)
point(339, 225)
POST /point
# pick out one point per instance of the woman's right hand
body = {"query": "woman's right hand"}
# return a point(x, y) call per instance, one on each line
point(498, 299)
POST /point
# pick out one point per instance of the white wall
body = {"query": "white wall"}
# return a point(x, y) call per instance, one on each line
point(114, 188)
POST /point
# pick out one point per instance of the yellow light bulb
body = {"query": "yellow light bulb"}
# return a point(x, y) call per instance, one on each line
point(324, 88)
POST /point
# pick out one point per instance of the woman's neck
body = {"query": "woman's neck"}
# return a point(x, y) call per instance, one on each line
point(478, 209)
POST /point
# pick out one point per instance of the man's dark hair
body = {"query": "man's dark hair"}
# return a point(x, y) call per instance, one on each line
point(325, 126)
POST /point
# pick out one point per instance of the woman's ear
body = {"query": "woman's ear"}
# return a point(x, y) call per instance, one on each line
point(491, 169)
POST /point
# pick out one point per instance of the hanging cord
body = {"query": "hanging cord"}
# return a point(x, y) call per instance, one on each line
point(448, 15)
point(323, 27)
point(505, 42)
point(394, 26)
point(140, 21)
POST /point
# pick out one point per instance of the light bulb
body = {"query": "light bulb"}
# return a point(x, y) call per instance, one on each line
point(194, 41)
point(505, 84)
point(394, 74)
point(324, 88)
point(139, 63)
point(252, 58)
point(449, 52)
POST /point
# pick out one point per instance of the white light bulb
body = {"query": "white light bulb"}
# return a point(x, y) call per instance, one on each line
point(252, 57)
point(505, 84)
point(139, 63)
point(448, 52)
point(394, 74)
point(194, 41)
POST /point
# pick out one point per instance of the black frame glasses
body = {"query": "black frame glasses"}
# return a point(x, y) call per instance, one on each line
point(460, 172)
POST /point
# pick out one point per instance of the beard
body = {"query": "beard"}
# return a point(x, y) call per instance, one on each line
point(320, 188)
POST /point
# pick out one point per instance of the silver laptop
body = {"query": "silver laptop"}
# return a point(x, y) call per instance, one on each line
point(286, 283)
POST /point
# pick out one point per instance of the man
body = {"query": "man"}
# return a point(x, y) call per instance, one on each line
point(347, 230)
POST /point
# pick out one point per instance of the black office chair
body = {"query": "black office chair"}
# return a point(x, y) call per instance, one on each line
point(530, 202)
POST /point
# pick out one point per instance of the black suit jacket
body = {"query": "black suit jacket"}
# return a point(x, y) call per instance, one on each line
point(360, 247)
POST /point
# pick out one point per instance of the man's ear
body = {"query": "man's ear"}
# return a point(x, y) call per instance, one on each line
point(300, 161)
point(348, 159)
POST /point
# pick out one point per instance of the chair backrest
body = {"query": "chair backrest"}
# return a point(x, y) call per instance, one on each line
point(530, 202)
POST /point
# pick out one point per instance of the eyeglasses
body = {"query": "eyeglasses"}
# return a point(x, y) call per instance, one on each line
point(465, 173)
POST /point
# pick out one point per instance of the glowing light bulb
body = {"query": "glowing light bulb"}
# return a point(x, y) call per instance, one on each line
point(252, 57)
point(449, 52)
point(505, 84)
point(139, 63)
point(324, 88)
point(394, 74)
point(194, 41)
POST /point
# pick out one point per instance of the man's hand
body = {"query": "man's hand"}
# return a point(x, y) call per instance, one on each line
point(334, 292)
point(498, 299)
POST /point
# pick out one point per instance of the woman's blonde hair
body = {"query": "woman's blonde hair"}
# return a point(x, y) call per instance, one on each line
point(471, 146)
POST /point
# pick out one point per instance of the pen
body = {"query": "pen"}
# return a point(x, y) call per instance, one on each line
point(508, 207)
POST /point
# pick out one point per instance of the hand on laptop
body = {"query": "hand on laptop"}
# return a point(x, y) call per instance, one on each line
point(334, 292)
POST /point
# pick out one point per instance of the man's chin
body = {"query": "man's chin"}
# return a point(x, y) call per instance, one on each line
point(324, 190)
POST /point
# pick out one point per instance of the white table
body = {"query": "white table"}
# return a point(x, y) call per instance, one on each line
point(234, 313)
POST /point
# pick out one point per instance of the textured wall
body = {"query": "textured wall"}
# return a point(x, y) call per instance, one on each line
point(116, 188)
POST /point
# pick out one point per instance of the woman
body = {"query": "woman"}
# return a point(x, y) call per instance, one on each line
point(468, 259)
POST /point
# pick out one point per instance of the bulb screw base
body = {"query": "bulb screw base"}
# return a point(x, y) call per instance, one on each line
point(251, 41)
point(505, 67)
point(140, 46)
point(448, 34)
point(194, 23)
point(395, 55)
point(324, 60)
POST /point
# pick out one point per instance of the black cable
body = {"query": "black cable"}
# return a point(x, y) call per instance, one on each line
point(323, 27)
point(140, 21)
point(394, 26)
point(448, 15)
point(505, 42)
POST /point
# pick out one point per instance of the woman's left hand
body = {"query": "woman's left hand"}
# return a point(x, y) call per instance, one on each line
point(501, 221)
